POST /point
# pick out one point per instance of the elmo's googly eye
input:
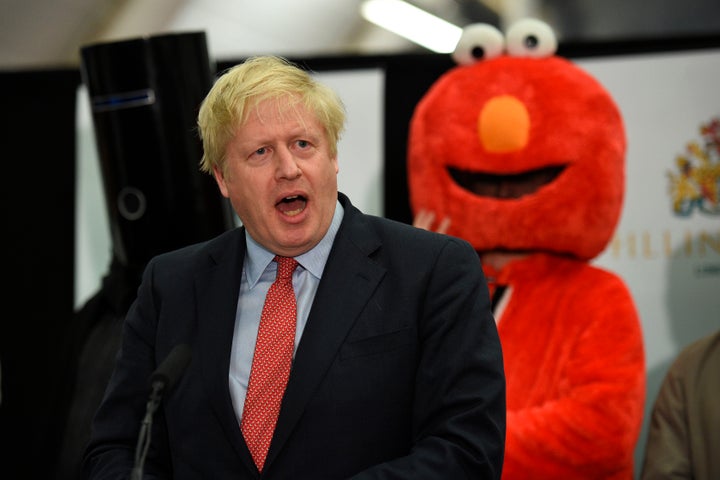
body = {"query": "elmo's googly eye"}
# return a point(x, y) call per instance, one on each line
point(531, 38)
point(479, 41)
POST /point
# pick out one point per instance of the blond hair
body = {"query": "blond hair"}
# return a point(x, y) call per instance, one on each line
point(239, 89)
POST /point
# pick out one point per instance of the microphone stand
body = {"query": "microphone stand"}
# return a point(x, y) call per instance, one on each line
point(163, 378)
point(143, 443)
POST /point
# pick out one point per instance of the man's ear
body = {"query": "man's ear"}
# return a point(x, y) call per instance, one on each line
point(220, 179)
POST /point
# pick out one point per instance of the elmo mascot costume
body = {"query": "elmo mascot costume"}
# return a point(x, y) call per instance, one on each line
point(522, 152)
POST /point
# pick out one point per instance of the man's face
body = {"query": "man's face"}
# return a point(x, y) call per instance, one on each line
point(281, 178)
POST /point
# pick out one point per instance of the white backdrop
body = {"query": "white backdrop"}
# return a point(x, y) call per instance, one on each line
point(670, 263)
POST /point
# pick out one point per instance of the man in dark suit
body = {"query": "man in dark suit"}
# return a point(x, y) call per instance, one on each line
point(396, 369)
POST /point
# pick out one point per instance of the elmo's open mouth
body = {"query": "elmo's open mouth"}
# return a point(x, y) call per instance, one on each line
point(505, 186)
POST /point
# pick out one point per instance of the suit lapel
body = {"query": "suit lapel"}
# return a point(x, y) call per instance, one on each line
point(217, 289)
point(349, 280)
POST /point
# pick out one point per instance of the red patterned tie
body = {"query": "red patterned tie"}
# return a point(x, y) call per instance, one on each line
point(271, 362)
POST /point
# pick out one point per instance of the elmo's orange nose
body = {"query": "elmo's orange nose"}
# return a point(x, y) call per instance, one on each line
point(504, 125)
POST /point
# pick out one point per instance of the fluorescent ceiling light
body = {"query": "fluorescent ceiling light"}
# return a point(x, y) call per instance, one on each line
point(412, 23)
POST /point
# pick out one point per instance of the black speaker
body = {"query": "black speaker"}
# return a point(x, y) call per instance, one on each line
point(145, 94)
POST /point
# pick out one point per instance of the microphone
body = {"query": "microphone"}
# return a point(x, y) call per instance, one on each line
point(161, 381)
point(172, 368)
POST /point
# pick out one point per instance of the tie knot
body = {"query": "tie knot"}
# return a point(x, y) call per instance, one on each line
point(286, 266)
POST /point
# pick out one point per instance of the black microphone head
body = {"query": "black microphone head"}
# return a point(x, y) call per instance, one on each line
point(172, 368)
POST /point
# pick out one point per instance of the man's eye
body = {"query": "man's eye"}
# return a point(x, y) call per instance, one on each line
point(303, 143)
point(260, 151)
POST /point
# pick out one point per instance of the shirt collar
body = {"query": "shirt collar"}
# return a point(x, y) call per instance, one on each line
point(258, 257)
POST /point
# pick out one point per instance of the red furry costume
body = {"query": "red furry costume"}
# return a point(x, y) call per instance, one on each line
point(524, 153)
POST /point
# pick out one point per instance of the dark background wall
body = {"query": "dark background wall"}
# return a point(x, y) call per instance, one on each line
point(37, 135)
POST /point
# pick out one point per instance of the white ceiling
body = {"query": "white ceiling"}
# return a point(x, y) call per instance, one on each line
point(49, 33)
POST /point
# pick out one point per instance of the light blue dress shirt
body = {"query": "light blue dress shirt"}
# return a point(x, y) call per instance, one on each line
point(258, 274)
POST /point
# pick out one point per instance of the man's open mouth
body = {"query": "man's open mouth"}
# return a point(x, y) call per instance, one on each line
point(292, 205)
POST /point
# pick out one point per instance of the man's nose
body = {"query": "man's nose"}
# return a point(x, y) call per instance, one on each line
point(287, 166)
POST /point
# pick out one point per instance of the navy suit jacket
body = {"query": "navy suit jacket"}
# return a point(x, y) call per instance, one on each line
point(398, 374)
